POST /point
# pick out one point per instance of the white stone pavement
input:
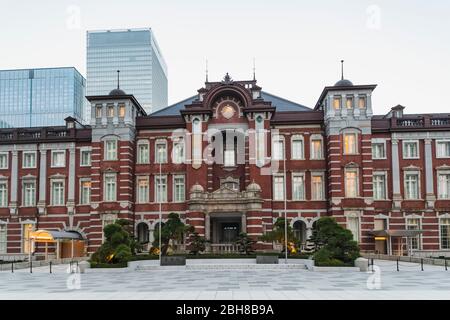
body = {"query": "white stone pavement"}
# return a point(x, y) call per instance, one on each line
point(274, 284)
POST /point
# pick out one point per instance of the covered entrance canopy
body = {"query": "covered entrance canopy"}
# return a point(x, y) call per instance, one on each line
point(52, 236)
point(387, 235)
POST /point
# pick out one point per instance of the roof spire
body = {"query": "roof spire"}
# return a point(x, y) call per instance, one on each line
point(118, 80)
point(342, 69)
point(254, 69)
point(206, 71)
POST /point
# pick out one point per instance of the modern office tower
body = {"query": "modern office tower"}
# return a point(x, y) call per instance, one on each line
point(41, 97)
point(135, 52)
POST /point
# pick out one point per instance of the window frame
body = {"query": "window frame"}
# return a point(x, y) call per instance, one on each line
point(160, 142)
point(106, 151)
point(380, 174)
point(176, 142)
point(52, 199)
point(276, 156)
point(52, 163)
point(105, 189)
point(438, 174)
point(3, 232)
point(337, 98)
point(275, 193)
point(344, 143)
point(294, 138)
point(419, 225)
point(437, 142)
point(362, 97)
point(5, 183)
point(174, 186)
point(316, 137)
point(23, 194)
point(405, 174)
point(138, 191)
point(441, 224)
point(303, 195)
point(139, 152)
point(347, 99)
point(322, 191)
point(6, 154)
point(347, 222)
point(357, 187)
point(378, 142)
point(82, 150)
point(404, 142)
point(81, 181)
point(164, 177)
point(24, 153)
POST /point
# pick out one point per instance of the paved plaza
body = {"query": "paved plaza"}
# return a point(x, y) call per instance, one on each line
point(179, 283)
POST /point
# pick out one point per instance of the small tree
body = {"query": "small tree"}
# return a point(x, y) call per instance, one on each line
point(173, 230)
point(197, 243)
point(278, 233)
point(245, 243)
point(333, 243)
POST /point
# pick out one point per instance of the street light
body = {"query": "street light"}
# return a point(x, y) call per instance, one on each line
point(160, 202)
point(285, 205)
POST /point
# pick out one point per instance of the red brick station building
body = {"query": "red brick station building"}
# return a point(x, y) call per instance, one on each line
point(231, 158)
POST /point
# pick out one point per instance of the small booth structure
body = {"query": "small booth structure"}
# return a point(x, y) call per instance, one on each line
point(69, 244)
point(395, 242)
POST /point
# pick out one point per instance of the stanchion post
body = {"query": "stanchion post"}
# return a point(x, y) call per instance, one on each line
point(397, 265)
point(12, 267)
point(31, 266)
point(445, 263)
point(50, 264)
point(421, 263)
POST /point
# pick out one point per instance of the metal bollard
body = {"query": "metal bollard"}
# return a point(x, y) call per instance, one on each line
point(445, 263)
point(12, 267)
point(31, 266)
point(421, 263)
point(397, 265)
point(50, 264)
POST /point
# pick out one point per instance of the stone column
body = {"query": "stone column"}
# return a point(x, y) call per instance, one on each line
point(207, 227)
point(14, 181)
point(244, 223)
point(71, 181)
point(429, 176)
point(42, 181)
point(397, 197)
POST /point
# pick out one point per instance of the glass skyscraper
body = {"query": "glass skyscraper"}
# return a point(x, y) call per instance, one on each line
point(136, 54)
point(41, 97)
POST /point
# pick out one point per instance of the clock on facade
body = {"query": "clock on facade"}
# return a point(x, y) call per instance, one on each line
point(228, 111)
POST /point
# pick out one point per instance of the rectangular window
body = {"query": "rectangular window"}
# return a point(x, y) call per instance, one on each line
point(98, 112)
point(122, 111)
point(85, 191)
point(110, 111)
point(445, 233)
point(380, 224)
point(378, 150)
point(27, 228)
point(411, 186)
point(351, 183)
point(58, 159)
point(349, 102)
point(350, 143)
point(278, 188)
point(160, 189)
point(317, 187)
point(410, 149)
point(4, 160)
point(337, 103)
point(353, 226)
point(57, 193)
point(362, 102)
point(3, 194)
point(110, 188)
point(29, 160)
point(297, 149)
point(178, 152)
point(178, 188)
point(444, 185)
point(85, 158)
point(413, 224)
point(278, 149)
point(143, 190)
point(443, 149)
point(29, 193)
point(316, 149)
point(160, 152)
point(379, 186)
point(298, 187)
point(111, 150)
point(3, 238)
point(143, 153)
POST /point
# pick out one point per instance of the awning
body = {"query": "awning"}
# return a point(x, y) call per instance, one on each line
point(396, 233)
point(52, 236)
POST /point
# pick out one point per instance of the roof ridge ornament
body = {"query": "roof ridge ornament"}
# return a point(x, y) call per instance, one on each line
point(227, 78)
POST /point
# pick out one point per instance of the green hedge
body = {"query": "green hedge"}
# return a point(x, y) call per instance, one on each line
point(109, 265)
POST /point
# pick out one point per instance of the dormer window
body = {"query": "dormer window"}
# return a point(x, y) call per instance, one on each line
point(337, 103)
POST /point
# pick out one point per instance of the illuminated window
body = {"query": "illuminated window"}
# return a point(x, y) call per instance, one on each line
point(85, 191)
point(413, 224)
point(337, 103)
point(122, 111)
point(350, 143)
point(362, 102)
point(317, 187)
point(351, 183)
point(98, 112)
point(27, 228)
point(316, 149)
point(143, 190)
point(349, 102)
point(445, 233)
point(110, 111)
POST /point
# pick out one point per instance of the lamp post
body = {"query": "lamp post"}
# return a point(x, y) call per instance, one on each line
point(285, 205)
point(160, 202)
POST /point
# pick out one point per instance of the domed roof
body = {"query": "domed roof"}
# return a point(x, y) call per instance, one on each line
point(197, 188)
point(254, 187)
point(117, 92)
point(343, 83)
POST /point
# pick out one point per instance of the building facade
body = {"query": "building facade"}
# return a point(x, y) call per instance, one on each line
point(135, 52)
point(41, 97)
point(233, 158)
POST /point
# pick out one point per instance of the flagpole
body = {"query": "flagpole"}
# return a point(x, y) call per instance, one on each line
point(160, 205)
point(285, 205)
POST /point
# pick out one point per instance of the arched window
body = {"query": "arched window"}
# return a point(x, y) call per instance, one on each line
point(299, 228)
point(143, 232)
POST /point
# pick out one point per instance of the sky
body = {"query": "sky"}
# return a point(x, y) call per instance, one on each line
point(403, 46)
